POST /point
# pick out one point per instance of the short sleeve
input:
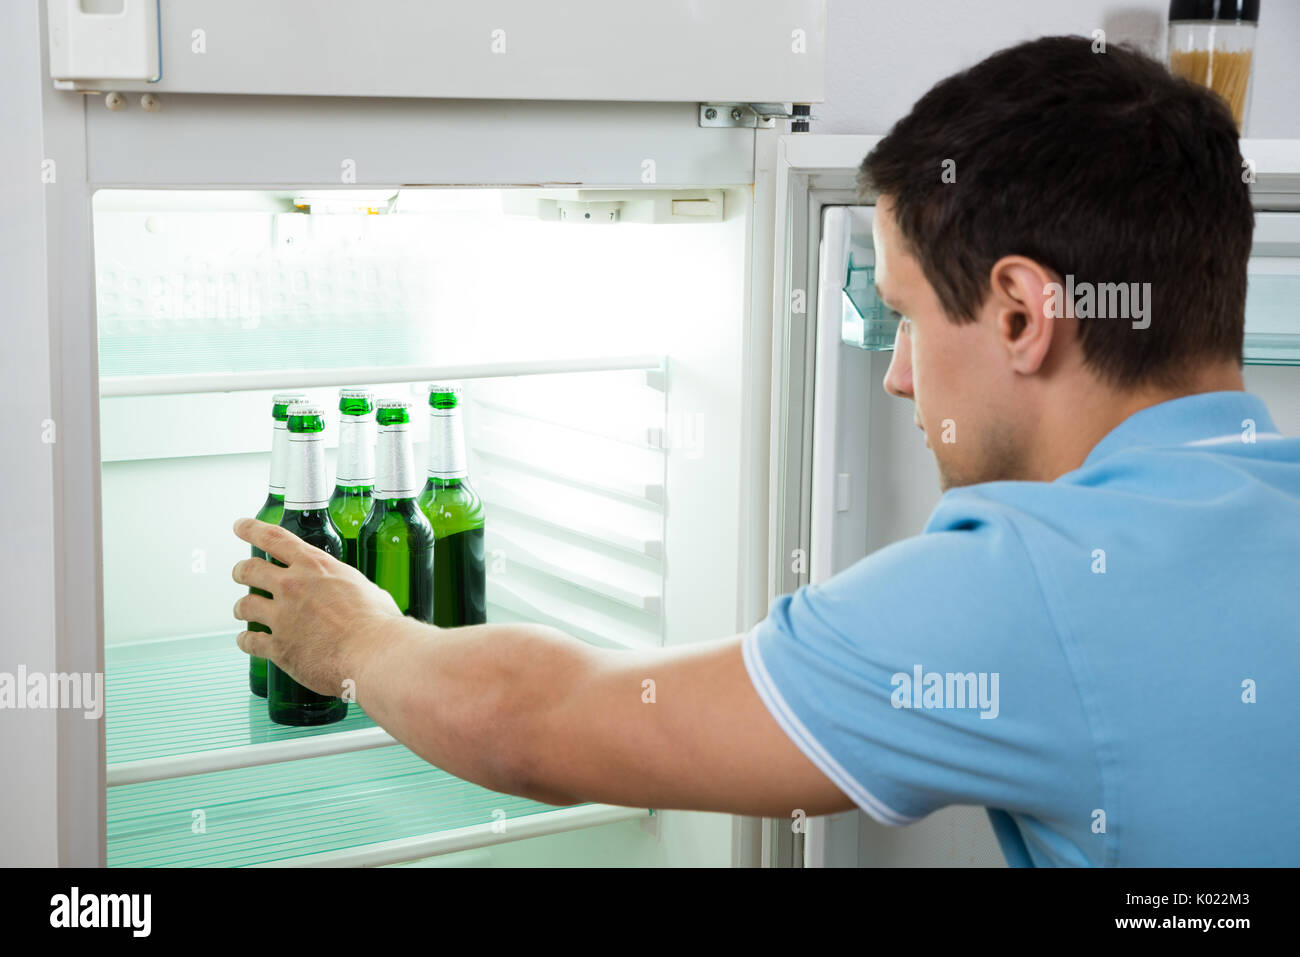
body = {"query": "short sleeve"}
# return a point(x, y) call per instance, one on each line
point(929, 674)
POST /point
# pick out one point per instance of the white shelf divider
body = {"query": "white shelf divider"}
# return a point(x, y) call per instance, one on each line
point(246, 756)
point(467, 838)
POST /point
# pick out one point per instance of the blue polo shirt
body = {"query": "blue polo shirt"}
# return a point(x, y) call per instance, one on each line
point(1107, 662)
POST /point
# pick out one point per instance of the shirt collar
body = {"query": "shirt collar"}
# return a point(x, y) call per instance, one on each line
point(1207, 418)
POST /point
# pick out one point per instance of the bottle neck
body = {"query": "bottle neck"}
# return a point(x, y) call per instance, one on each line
point(399, 506)
point(356, 462)
point(446, 445)
point(279, 460)
point(395, 476)
point(307, 487)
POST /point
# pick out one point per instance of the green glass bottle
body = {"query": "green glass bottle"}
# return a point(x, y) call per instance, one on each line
point(355, 469)
point(455, 512)
point(396, 541)
point(306, 514)
point(271, 511)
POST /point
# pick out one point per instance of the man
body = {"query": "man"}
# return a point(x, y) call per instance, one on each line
point(1097, 633)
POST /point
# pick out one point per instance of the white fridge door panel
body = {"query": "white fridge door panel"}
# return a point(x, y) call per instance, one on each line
point(869, 479)
point(770, 51)
point(843, 391)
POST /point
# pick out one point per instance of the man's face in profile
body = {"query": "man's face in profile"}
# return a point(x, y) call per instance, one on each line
point(956, 375)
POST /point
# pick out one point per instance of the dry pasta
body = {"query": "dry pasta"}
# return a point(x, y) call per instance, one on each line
point(1225, 72)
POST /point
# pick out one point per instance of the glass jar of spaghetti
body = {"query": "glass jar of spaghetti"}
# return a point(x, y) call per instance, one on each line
point(1212, 42)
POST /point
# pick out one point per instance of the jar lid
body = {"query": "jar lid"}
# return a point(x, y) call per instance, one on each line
point(1238, 10)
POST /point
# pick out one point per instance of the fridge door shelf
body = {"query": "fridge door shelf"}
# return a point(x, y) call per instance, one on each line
point(1273, 288)
point(865, 322)
point(848, 277)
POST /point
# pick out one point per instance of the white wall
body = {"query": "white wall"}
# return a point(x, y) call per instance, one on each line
point(881, 56)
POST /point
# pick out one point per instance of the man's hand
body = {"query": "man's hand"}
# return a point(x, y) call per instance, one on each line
point(323, 614)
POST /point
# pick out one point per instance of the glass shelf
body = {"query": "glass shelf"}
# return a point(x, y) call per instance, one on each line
point(186, 696)
point(152, 346)
point(1272, 350)
point(1272, 314)
point(1272, 335)
point(200, 777)
point(868, 324)
point(282, 811)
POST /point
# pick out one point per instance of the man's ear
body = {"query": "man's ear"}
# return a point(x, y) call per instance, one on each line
point(1026, 299)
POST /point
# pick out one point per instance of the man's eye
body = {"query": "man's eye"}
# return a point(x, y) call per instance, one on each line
point(903, 321)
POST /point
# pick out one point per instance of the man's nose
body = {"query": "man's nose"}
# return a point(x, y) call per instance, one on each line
point(898, 377)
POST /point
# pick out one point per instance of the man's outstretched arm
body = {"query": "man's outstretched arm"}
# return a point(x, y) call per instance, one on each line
point(527, 709)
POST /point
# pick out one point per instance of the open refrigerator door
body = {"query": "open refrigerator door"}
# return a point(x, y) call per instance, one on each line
point(851, 474)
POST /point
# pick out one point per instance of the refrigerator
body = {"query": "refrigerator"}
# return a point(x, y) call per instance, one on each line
point(621, 235)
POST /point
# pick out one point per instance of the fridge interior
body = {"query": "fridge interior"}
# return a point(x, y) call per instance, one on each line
point(597, 336)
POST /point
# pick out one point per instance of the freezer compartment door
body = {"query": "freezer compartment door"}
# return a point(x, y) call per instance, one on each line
point(749, 51)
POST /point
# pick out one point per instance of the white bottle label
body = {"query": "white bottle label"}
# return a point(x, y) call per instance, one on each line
point(307, 487)
point(396, 476)
point(446, 444)
point(356, 462)
point(279, 458)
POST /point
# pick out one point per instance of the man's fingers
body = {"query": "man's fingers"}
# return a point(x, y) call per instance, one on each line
point(284, 547)
point(257, 573)
point(253, 608)
point(255, 643)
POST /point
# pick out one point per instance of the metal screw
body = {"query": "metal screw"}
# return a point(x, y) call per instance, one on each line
point(115, 101)
point(736, 114)
point(710, 114)
point(150, 103)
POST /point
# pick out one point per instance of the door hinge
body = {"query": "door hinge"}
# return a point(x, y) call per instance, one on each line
point(761, 116)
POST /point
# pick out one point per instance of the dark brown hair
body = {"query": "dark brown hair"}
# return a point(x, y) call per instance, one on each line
point(1100, 165)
